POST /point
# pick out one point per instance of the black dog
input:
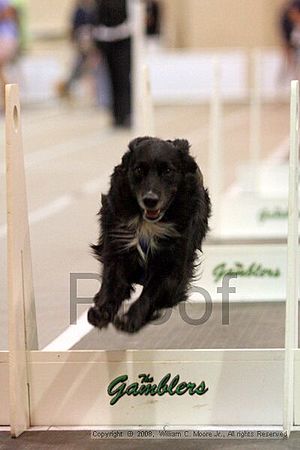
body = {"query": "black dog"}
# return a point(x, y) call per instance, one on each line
point(153, 220)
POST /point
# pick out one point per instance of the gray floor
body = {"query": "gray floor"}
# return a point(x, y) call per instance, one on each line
point(250, 325)
point(80, 440)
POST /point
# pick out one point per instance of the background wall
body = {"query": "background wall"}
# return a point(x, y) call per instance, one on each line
point(223, 23)
point(49, 17)
point(188, 23)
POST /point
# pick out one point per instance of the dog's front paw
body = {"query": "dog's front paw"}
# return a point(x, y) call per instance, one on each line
point(128, 323)
point(99, 317)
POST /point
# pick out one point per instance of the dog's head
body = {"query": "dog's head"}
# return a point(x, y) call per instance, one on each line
point(156, 169)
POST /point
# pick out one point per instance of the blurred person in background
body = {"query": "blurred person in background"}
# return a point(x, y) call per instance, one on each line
point(112, 34)
point(153, 25)
point(81, 27)
point(153, 17)
point(290, 33)
point(9, 41)
point(20, 8)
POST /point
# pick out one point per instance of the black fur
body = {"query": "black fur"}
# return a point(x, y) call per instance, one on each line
point(164, 173)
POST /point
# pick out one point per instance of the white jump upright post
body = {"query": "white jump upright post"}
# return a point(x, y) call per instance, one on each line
point(255, 115)
point(138, 19)
point(216, 184)
point(291, 326)
point(146, 120)
point(22, 316)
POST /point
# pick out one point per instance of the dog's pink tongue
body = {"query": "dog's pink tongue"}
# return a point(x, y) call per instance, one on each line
point(152, 214)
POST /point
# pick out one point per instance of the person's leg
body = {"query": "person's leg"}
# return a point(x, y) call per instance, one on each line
point(120, 76)
point(102, 81)
point(77, 69)
point(106, 50)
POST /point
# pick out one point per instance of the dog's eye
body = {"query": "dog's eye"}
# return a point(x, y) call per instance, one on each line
point(138, 171)
point(167, 171)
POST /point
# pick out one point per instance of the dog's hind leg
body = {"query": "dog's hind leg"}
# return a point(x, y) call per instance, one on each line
point(155, 296)
point(140, 313)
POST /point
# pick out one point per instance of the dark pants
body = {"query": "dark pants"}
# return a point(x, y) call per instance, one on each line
point(118, 58)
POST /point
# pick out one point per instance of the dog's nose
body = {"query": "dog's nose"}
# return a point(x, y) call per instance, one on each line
point(150, 200)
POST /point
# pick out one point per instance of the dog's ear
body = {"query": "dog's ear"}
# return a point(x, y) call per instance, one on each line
point(137, 141)
point(132, 146)
point(183, 146)
point(124, 166)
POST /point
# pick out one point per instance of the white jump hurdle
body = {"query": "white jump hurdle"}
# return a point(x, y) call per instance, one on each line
point(291, 335)
point(22, 319)
point(145, 125)
point(215, 147)
point(137, 14)
point(74, 388)
point(255, 115)
point(256, 206)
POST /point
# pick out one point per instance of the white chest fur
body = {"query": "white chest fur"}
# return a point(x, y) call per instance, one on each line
point(145, 236)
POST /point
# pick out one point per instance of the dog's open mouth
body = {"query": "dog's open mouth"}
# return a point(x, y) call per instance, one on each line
point(152, 215)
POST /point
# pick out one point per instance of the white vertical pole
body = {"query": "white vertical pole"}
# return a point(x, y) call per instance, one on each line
point(255, 115)
point(215, 147)
point(291, 323)
point(22, 317)
point(138, 18)
point(146, 122)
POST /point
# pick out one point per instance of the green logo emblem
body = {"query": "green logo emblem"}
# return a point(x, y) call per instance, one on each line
point(241, 270)
point(273, 214)
point(146, 386)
